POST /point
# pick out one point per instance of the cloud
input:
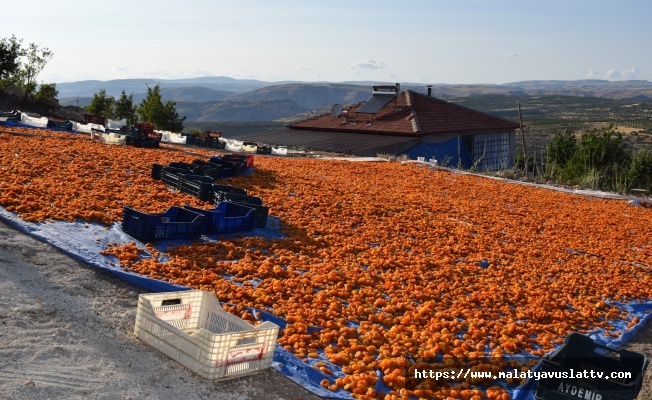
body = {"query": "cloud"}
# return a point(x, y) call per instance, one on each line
point(593, 74)
point(615, 74)
point(121, 68)
point(630, 73)
point(369, 64)
point(306, 68)
point(511, 56)
point(177, 74)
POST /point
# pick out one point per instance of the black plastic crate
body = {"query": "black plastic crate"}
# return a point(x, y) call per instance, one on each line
point(149, 143)
point(262, 211)
point(238, 160)
point(181, 164)
point(246, 159)
point(12, 116)
point(228, 168)
point(62, 126)
point(171, 177)
point(218, 144)
point(175, 170)
point(228, 189)
point(580, 353)
point(175, 223)
point(156, 171)
point(201, 142)
point(237, 166)
point(138, 141)
point(208, 169)
point(264, 150)
point(227, 218)
point(196, 185)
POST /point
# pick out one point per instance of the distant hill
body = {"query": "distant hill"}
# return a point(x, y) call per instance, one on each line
point(249, 97)
point(115, 86)
point(309, 95)
point(633, 89)
point(238, 111)
point(187, 93)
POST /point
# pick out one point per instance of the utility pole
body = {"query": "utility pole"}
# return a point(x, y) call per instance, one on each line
point(520, 117)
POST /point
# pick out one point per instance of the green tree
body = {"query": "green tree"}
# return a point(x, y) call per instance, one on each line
point(163, 116)
point(640, 169)
point(33, 62)
point(10, 52)
point(597, 150)
point(125, 108)
point(46, 91)
point(101, 104)
point(562, 148)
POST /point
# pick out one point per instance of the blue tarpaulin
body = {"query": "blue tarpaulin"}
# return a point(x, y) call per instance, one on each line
point(79, 240)
point(447, 154)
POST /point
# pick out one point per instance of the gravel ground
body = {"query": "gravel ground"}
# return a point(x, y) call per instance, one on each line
point(66, 332)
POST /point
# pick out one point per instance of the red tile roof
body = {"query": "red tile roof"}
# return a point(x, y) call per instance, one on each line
point(412, 114)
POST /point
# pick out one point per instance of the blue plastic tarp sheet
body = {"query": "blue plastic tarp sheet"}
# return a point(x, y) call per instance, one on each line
point(446, 154)
point(80, 240)
point(12, 124)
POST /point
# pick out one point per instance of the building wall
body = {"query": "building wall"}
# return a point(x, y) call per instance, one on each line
point(489, 150)
point(493, 151)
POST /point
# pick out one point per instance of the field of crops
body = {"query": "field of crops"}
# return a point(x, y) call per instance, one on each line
point(384, 265)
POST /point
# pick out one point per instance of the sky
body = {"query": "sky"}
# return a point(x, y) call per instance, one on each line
point(420, 41)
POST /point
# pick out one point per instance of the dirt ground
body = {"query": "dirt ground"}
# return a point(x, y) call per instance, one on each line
point(66, 332)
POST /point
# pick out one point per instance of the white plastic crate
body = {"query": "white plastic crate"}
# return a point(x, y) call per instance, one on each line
point(110, 138)
point(249, 148)
point(233, 146)
point(280, 150)
point(192, 328)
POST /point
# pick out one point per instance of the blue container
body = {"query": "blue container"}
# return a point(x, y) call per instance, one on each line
point(175, 223)
point(260, 217)
point(226, 218)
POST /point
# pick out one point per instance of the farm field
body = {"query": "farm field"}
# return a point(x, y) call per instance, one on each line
point(383, 264)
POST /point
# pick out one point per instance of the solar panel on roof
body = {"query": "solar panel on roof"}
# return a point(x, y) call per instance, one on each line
point(376, 103)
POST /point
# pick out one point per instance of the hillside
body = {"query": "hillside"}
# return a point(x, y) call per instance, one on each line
point(309, 95)
point(115, 86)
point(595, 99)
point(188, 93)
point(238, 111)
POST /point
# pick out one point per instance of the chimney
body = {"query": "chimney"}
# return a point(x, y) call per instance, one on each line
point(429, 90)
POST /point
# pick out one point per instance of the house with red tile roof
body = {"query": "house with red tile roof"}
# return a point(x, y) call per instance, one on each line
point(405, 122)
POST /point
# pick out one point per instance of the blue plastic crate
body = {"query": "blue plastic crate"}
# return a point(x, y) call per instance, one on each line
point(262, 211)
point(226, 218)
point(175, 223)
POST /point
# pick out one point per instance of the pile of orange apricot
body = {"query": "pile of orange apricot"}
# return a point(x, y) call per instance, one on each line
point(384, 266)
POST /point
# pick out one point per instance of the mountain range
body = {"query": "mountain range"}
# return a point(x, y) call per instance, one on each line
point(228, 99)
